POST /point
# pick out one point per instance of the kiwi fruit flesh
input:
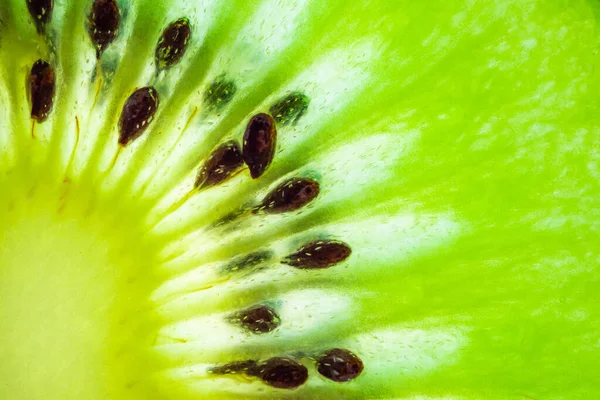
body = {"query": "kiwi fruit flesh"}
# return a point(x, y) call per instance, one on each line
point(299, 199)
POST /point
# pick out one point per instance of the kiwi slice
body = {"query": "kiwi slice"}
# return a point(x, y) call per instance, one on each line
point(299, 199)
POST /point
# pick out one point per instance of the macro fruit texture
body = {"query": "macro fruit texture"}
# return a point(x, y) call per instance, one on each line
point(299, 199)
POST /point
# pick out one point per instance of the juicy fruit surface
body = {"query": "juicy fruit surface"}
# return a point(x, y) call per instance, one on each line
point(447, 149)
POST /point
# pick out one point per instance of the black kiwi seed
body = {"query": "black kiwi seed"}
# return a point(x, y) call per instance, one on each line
point(219, 93)
point(283, 373)
point(138, 112)
point(104, 21)
point(173, 43)
point(290, 108)
point(41, 87)
point(260, 141)
point(259, 319)
point(319, 254)
point(41, 12)
point(220, 165)
point(289, 196)
point(339, 365)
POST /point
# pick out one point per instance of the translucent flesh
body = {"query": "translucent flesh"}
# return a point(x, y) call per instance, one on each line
point(456, 145)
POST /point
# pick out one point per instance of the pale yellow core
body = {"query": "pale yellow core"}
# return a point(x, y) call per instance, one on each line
point(73, 313)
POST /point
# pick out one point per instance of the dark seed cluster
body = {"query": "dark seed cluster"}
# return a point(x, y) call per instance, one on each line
point(141, 106)
point(337, 365)
point(42, 83)
point(259, 145)
point(103, 24)
point(258, 149)
point(41, 12)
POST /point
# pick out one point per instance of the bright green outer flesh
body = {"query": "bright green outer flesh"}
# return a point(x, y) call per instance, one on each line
point(456, 143)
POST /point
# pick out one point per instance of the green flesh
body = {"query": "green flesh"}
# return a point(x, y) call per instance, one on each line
point(456, 145)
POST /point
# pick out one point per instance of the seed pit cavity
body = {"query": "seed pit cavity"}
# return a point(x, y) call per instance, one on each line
point(289, 109)
point(219, 93)
point(104, 21)
point(41, 88)
point(339, 365)
point(260, 140)
point(248, 367)
point(258, 319)
point(283, 373)
point(222, 163)
point(173, 43)
point(41, 12)
point(138, 112)
point(290, 196)
point(319, 254)
point(248, 261)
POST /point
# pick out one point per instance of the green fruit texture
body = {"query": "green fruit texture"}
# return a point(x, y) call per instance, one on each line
point(299, 199)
